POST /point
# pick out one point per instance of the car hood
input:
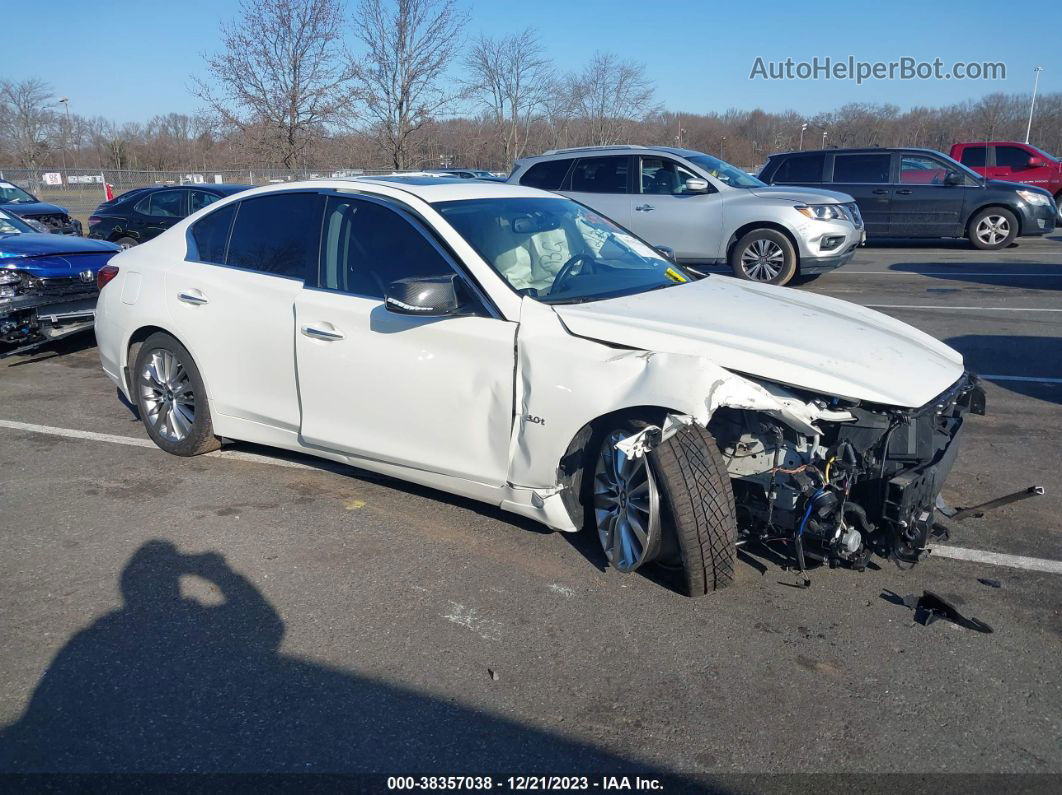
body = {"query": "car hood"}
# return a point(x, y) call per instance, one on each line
point(806, 195)
point(39, 245)
point(35, 208)
point(1001, 184)
point(800, 339)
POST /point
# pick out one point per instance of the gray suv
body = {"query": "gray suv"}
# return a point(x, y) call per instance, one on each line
point(705, 210)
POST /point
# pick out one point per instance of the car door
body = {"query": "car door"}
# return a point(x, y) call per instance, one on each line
point(200, 199)
point(603, 183)
point(433, 393)
point(232, 302)
point(922, 204)
point(975, 156)
point(1012, 164)
point(866, 177)
point(666, 213)
point(157, 212)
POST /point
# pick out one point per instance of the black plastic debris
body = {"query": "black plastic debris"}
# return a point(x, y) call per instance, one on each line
point(493, 674)
point(930, 606)
point(990, 583)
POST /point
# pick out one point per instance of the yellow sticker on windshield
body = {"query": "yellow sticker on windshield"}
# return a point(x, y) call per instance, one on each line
point(675, 276)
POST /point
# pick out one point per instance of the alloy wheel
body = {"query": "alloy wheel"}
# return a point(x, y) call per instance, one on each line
point(167, 394)
point(626, 506)
point(762, 260)
point(993, 229)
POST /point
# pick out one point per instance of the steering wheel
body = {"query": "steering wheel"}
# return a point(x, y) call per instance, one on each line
point(568, 270)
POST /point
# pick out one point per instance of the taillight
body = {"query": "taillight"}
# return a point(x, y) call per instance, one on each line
point(94, 219)
point(105, 274)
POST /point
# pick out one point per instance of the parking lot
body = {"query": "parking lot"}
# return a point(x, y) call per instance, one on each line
point(371, 625)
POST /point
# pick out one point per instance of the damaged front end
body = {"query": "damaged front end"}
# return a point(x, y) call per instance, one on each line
point(36, 310)
point(861, 479)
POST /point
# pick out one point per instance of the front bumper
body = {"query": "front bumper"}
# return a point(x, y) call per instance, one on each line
point(1038, 219)
point(826, 245)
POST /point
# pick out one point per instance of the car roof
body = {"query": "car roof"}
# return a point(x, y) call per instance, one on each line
point(869, 150)
point(437, 189)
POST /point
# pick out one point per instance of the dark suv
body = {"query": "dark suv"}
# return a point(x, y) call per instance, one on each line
point(920, 193)
point(143, 213)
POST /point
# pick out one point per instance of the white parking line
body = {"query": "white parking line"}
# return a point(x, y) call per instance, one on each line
point(950, 273)
point(959, 553)
point(973, 308)
point(1034, 379)
point(999, 559)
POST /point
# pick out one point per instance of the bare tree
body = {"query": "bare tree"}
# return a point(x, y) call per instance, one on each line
point(408, 46)
point(282, 76)
point(609, 95)
point(27, 123)
point(513, 79)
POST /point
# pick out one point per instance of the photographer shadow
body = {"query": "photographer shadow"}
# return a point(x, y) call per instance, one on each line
point(171, 684)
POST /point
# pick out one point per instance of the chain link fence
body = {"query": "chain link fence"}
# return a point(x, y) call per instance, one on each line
point(81, 190)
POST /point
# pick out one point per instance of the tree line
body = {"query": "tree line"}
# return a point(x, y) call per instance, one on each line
point(381, 84)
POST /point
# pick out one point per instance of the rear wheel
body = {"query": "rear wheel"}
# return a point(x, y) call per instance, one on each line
point(764, 255)
point(125, 242)
point(674, 507)
point(171, 398)
point(993, 228)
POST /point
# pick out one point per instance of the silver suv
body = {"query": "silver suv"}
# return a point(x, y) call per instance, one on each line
point(705, 210)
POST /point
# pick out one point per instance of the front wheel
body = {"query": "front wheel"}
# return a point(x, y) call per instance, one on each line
point(764, 255)
point(993, 228)
point(171, 397)
point(674, 507)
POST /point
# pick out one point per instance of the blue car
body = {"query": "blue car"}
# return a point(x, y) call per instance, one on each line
point(47, 284)
point(46, 217)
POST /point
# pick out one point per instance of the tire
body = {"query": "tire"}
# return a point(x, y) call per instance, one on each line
point(125, 242)
point(801, 279)
point(992, 228)
point(765, 256)
point(171, 397)
point(692, 528)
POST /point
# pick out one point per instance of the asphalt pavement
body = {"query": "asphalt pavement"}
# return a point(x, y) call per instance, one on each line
point(254, 611)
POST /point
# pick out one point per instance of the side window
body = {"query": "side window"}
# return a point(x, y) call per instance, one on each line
point(199, 200)
point(600, 175)
point(367, 246)
point(872, 168)
point(659, 175)
point(974, 156)
point(164, 204)
point(800, 168)
point(211, 235)
point(547, 175)
point(277, 233)
point(1012, 157)
point(919, 170)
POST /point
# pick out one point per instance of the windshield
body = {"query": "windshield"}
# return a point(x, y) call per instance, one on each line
point(13, 225)
point(559, 251)
point(726, 173)
point(13, 194)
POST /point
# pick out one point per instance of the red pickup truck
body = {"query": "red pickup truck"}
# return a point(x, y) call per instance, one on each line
point(1013, 162)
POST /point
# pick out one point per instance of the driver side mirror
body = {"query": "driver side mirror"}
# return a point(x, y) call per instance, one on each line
point(696, 186)
point(667, 251)
point(426, 296)
point(1036, 162)
point(953, 178)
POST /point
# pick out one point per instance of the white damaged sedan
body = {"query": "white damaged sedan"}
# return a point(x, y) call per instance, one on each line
point(512, 346)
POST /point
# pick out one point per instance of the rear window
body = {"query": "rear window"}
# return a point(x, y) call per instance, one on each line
point(547, 175)
point(278, 234)
point(601, 175)
point(211, 235)
point(974, 156)
point(800, 168)
point(871, 168)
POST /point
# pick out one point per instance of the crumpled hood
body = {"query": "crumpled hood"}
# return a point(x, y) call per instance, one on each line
point(810, 341)
point(34, 208)
point(37, 245)
point(806, 195)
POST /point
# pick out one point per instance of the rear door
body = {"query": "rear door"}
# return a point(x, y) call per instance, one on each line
point(866, 177)
point(605, 184)
point(433, 393)
point(975, 156)
point(232, 302)
point(922, 205)
point(665, 213)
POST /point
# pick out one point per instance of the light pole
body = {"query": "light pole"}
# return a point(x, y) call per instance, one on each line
point(65, 102)
point(824, 134)
point(722, 149)
point(803, 127)
point(1032, 105)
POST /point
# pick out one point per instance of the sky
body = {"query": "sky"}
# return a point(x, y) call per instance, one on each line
point(128, 61)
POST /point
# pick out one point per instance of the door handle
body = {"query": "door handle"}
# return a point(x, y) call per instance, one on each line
point(645, 208)
point(903, 192)
point(318, 333)
point(880, 191)
point(193, 297)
